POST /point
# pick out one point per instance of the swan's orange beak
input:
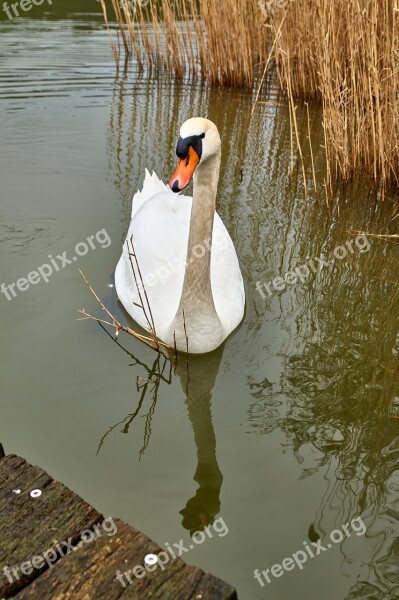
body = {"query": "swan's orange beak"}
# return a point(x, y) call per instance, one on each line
point(184, 171)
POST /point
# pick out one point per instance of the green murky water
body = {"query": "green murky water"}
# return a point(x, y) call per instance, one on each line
point(288, 432)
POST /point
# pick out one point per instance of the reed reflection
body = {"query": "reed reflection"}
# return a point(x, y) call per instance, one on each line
point(322, 357)
point(336, 395)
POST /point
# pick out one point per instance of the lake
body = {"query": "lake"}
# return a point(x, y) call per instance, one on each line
point(290, 431)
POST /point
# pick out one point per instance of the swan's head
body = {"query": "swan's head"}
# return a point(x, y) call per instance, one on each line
point(199, 140)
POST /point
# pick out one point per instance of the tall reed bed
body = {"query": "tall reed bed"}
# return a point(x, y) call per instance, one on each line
point(221, 41)
point(344, 53)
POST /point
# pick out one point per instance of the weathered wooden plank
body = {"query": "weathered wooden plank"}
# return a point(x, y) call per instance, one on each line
point(31, 526)
point(91, 573)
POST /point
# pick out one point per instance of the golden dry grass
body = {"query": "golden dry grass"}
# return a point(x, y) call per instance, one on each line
point(344, 53)
point(221, 41)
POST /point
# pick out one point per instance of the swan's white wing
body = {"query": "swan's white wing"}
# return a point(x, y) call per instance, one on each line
point(151, 186)
point(160, 227)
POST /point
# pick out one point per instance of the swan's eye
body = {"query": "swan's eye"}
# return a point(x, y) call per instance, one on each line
point(202, 136)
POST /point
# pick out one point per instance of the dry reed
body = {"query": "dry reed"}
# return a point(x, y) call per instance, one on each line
point(221, 41)
point(343, 53)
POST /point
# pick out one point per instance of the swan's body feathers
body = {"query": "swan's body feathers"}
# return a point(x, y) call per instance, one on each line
point(160, 227)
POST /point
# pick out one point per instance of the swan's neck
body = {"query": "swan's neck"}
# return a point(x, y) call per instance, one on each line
point(197, 279)
point(196, 299)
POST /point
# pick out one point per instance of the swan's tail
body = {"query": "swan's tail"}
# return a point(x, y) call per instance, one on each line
point(151, 185)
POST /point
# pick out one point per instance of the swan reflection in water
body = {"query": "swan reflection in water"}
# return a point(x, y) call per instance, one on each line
point(197, 377)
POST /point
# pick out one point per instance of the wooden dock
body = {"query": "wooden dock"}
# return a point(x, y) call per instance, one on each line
point(31, 526)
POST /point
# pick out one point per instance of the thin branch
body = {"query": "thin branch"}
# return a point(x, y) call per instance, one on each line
point(185, 333)
point(150, 320)
point(381, 236)
point(267, 64)
point(154, 344)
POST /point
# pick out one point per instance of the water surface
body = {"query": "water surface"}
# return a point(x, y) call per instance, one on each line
point(287, 432)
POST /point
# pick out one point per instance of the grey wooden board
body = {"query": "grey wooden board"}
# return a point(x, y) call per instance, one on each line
point(31, 526)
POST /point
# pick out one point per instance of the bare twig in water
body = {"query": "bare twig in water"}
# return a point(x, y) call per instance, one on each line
point(155, 376)
point(381, 236)
point(138, 362)
point(148, 317)
point(185, 333)
point(152, 342)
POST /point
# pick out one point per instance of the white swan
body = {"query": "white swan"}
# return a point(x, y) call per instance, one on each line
point(186, 256)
